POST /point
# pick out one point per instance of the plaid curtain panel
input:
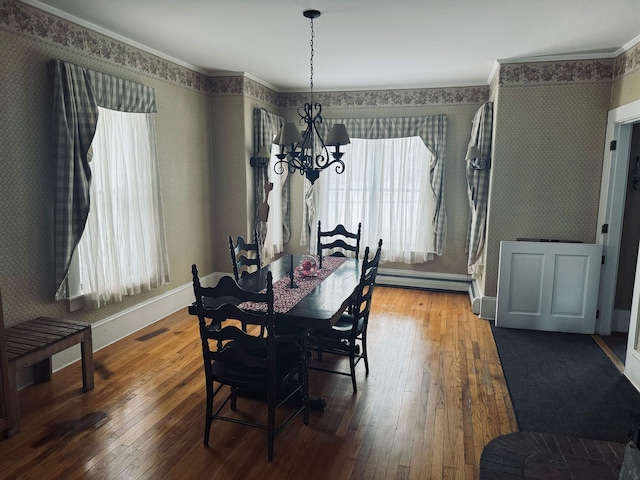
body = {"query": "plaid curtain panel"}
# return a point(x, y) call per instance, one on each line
point(265, 126)
point(478, 188)
point(431, 129)
point(77, 93)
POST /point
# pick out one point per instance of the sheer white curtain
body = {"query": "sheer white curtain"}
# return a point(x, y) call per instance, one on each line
point(274, 239)
point(123, 248)
point(385, 186)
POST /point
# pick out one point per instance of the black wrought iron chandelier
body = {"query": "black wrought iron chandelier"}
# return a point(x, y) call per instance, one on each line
point(308, 152)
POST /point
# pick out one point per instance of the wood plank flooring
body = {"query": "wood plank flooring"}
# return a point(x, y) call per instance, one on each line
point(434, 397)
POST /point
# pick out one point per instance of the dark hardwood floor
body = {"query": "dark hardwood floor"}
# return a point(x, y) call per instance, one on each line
point(435, 396)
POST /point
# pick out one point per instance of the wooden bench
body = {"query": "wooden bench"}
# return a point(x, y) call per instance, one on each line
point(33, 343)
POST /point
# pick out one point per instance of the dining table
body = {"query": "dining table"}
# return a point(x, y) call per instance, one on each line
point(315, 301)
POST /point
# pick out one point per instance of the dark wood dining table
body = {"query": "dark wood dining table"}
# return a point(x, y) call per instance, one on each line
point(319, 308)
point(322, 306)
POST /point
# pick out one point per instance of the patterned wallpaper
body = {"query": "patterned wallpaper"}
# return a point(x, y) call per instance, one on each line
point(202, 124)
point(625, 89)
point(28, 39)
point(230, 182)
point(547, 164)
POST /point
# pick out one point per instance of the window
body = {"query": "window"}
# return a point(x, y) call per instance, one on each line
point(274, 239)
point(385, 186)
point(122, 250)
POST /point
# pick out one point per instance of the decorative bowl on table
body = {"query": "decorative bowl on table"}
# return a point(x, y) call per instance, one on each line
point(308, 266)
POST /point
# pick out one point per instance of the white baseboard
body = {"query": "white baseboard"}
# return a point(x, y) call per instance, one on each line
point(475, 296)
point(113, 328)
point(425, 280)
point(488, 308)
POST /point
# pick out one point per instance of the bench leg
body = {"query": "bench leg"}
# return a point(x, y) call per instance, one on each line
point(13, 414)
point(86, 349)
point(43, 371)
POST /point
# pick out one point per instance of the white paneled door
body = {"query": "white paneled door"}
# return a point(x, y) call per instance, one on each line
point(550, 286)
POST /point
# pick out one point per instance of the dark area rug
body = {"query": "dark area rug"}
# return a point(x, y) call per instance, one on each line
point(563, 383)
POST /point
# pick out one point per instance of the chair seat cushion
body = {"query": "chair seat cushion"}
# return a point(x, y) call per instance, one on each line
point(344, 326)
point(246, 373)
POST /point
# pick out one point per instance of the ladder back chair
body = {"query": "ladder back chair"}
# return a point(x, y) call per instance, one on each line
point(275, 364)
point(245, 257)
point(348, 337)
point(339, 237)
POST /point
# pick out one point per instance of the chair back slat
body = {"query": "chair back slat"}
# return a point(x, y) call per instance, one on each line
point(346, 240)
point(245, 257)
point(364, 292)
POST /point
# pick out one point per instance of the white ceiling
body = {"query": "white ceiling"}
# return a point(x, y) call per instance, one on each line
point(361, 44)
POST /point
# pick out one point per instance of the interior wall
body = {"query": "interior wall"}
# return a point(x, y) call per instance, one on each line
point(233, 102)
point(28, 39)
point(547, 159)
point(458, 104)
point(549, 133)
point(230, 184)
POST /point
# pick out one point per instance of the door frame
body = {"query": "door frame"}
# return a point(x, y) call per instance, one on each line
point(611, 209)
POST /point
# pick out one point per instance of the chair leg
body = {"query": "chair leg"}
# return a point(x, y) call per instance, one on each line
point(319, 348)
point(364, 350)
point(352, 364)
point(234, 398)
point(305, 389)
point(208, 418)
point(271, 424)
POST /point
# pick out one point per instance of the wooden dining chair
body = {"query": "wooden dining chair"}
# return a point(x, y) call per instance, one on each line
point(275, 364)
point(348, 337)
point(245, 257)
point(340, 238)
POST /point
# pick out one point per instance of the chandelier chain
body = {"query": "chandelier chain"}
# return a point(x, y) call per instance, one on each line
point(298, 149)
point(311, 59)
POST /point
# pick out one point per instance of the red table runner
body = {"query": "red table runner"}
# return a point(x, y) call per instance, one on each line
point(285, 298)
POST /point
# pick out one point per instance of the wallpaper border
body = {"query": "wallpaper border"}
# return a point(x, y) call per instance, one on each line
point(562, 72)
point(23, 19)
point(19, 18)
point(392, 98)
point(627, 62)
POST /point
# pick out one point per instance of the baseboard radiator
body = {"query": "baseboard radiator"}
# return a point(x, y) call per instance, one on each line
point(423, 280)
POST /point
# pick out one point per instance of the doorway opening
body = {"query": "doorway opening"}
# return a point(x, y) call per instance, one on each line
point(619, 295)
point(628, 256)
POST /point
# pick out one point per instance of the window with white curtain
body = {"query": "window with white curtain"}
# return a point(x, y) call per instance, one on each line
point(386, 187)
point(123, 249)
point(274, 239)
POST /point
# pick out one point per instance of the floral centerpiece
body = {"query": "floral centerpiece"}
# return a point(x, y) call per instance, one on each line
point(308, 266)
